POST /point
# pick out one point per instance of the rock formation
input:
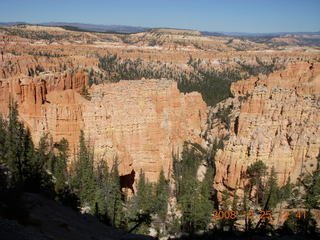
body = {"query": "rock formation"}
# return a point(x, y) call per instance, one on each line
point(275, 119)
point(140, 122)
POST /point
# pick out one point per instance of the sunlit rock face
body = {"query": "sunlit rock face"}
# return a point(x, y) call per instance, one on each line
point(140, 122)
point(277, 122)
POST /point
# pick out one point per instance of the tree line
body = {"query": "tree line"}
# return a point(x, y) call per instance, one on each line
point(214, 84)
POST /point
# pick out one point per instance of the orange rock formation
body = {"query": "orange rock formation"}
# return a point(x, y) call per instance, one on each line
point(141, 122)
point(278, 124)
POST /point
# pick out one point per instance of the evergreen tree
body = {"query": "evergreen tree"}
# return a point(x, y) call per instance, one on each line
point(20, 156)
point(286, 190)
point(83, 179)
point(312, 186)
point(234, 207)
point(272, 191)
point(42, 152)
point(114, 202)
point(256, 172)
point(3, 133)
point(193, 195)
point(303, 224)
point(225, 204)
point(12, 144)
point(60, 166)
point(142, 206)
point(143, 199)
point(246, 209)
point(102, 191)
point(162, 196)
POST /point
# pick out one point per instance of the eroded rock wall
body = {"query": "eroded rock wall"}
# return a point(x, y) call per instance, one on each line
point(140, 122)
point(275, 119)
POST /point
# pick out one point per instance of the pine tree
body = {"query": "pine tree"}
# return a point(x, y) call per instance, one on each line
point(246, 210)
point(101, 192)
point(193, 196)
point(234, 207)
point(41, 164)
point(114, 202)
point(286, 190)
point(12, 144)
point(313, 190)
point(26, 168)
point(256, 172)
point(33, 173)
point(3, 133)
point(83, 179)
point(42, 152)
point(162, 196)
point(272, 190)
point(142, 206)
point(144, 200)
point(60, 166)
point(20, 152)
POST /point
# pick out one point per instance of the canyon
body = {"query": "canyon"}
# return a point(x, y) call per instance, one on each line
point(141, 123)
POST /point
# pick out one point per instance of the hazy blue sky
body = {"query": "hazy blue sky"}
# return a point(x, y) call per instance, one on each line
point(211, 15)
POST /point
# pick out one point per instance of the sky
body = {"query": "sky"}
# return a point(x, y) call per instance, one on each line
point(252, 16)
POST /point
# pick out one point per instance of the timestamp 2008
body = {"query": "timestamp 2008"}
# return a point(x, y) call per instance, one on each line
point(257, 214)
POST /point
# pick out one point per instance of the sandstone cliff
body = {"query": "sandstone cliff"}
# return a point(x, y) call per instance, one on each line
point(273, 118)
point(141, 122)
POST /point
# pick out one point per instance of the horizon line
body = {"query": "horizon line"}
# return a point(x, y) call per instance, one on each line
point(14, 23)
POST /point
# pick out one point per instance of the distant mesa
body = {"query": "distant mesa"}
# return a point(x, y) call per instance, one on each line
point(176, 31)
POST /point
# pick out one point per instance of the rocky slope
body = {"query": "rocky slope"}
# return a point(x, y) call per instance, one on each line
point(273, 118)
point(48, 219)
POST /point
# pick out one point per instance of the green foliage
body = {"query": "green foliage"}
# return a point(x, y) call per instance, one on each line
point(272, 191)
point(246, 208)
point(214, 85)
point(3, 133)
point(92, 79)
point(186, 167)
point(13, 155)
point(60, 166)
point(256, 172)
point(286, 190)
point(224, 115)
point(26, 167)
point(234, 207)
point(142, 205)
point(84, 92)
point(193, 195)
point(83, 181)
point(29, 168)
point(114, 206)
point(313, 190)
point(260, 67)
point(162, 196)
point(299, 223)
point(311, 185)
point(101, 191)
point(97, 188)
